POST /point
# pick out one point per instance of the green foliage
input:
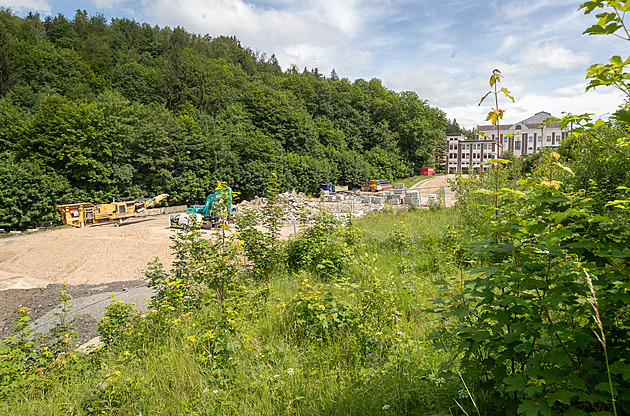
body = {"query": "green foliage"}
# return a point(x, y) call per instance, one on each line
point(29, 363)
point(476, 195)
point(62, 333)
point(127, 110)
point(523, 321)
point(119, 318)
point(201, 267)
point(19, 357)
point(259, 351)
point(28, 194)
point(263, 249)
point(323, 248)
point(317, 314)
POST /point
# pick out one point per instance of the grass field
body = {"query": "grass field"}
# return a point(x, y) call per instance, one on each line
point(298, 343)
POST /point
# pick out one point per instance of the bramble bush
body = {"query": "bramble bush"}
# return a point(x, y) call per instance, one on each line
point(541, 328)
point(316, 313)
point(119, 318)
point(524, 325)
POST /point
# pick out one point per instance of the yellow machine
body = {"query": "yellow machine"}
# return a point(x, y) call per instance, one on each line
point(86, 214)
point(376, 185)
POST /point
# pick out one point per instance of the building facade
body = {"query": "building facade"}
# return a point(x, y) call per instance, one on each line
point(526, 137)
point(523, 139)
point(462, 154)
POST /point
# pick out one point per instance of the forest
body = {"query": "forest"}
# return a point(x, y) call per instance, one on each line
point(92, 110)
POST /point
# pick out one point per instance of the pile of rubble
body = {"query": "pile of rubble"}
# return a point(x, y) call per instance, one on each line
point(292, 203)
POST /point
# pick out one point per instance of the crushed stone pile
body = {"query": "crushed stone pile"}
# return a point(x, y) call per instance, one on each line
point(293, 205)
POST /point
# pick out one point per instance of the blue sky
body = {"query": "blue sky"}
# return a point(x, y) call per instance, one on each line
point(445, 50)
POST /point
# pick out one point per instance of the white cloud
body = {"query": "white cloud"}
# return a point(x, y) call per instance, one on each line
point(267, 29)
point(107, 4)
point(341, 14)
point(431, 82)
point(21, 6)
point(519, 9)
point(355, 60)
point(569, 91)
point(305, 56)
point(544, 56)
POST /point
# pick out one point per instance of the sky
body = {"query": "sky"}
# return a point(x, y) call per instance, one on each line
point(444, 50)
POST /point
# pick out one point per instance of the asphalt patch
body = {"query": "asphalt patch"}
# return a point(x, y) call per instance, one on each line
point(89, 303)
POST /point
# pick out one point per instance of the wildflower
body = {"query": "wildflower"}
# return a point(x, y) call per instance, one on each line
point(379, 333)
point(290, 371)
point(215, 391)
point(385, 407)
point(399, 333)
point(439, 381)
point(276, 375)
point(462, 393)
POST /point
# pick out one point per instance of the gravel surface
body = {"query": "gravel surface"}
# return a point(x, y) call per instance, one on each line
point(88, 305)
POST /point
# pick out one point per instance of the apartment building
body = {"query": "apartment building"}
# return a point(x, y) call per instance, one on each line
point(523, 138)
point(462, 154)
point(526, 137)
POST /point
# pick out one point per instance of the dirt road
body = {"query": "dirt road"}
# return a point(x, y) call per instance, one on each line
point(434, 185)
point(84, 255)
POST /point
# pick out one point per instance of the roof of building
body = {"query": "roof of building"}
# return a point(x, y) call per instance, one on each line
point(493, 127)
point(538, 118)
point(533, 122)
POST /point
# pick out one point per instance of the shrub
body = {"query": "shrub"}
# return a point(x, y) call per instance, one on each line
point(524, 323)
point(324, 248)
point(318, 314)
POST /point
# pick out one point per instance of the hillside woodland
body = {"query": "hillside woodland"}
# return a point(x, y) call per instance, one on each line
point(91, 110)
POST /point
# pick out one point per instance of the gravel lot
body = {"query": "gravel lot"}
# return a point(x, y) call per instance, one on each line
point(94, 262)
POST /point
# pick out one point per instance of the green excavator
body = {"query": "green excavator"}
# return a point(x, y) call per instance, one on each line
point(204, 216)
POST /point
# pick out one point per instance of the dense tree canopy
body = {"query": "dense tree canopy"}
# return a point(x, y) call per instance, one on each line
point(91, 109)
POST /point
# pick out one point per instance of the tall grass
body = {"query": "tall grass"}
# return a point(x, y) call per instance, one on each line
point(387, 366)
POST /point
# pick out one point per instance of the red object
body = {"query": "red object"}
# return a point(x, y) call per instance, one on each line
point(427, 171)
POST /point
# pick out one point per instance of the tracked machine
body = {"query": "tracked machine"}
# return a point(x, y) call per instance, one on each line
point(203, 216)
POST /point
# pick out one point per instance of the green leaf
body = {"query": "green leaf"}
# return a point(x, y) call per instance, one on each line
point(531, 408)
point(562, 396)
point(574, 411)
